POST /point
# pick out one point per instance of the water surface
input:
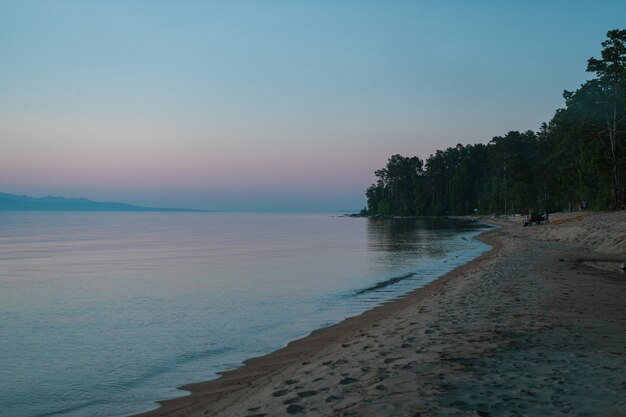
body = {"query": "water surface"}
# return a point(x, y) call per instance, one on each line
point(104, 313)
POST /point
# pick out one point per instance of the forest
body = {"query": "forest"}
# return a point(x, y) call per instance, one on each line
point(577, 156)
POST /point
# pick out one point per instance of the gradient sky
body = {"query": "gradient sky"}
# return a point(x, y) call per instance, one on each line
point(271, 105)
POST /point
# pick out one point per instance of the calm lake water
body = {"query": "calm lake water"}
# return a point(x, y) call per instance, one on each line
point(101, 314)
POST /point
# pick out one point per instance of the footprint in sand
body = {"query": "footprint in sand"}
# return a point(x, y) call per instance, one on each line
point(295, 408)
point(347, 381)
point(291, 400)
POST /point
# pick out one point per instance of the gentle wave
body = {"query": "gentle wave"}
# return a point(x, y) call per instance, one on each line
point(382, 284)
point(135, 305)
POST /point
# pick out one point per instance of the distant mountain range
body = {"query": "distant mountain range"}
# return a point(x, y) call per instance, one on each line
point(25, 203)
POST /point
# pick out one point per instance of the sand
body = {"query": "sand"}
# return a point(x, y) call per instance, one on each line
point(535, 327)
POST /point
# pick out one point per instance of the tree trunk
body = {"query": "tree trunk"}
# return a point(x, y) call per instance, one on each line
point(611, 124)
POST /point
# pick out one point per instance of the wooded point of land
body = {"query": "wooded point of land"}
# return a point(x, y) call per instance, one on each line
point(577, 157)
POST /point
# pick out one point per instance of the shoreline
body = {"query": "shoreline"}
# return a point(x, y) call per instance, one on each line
point(494, 335)
point(231, 380)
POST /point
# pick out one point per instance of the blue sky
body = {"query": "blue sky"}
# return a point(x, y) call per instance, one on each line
point(276, 105)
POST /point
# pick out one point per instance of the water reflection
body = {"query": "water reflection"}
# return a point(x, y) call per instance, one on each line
point(395, 238)
point(203, 291)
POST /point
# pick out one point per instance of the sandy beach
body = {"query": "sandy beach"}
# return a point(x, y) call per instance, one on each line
point(535, 327)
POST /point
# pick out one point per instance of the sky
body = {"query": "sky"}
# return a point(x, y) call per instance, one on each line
point(271, 105)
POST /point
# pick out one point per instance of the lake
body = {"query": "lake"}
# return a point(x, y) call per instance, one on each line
point(104, 313)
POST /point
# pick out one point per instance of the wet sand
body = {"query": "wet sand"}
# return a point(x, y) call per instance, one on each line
point(535, 327)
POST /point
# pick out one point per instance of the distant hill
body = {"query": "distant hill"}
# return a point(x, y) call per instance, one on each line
point(25, 203)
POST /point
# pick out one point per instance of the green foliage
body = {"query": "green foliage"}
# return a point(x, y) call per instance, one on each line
point(394, 192)
point(578, 155)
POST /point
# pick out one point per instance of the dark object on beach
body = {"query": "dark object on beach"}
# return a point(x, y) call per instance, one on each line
point(537, 218)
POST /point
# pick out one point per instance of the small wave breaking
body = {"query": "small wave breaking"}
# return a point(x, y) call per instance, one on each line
point(382, 284)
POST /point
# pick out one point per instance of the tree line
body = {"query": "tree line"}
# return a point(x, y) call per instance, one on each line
point(576, 156)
